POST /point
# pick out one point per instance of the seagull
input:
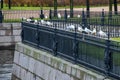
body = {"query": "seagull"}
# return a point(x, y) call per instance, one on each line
point(46, 17)
point(80, 29)
point(71, 27)
point(102, 34)
point(68, 16)
point(78, 16)
point(94, 31)
point(49, 23)
point(28, 20)
point(88, 31)
point(59, 15)
point(35, 21)
point(43, 22)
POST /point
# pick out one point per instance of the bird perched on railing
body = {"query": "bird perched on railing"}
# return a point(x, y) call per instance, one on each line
point(87, 31)
point(49, 23)
point(28, 20)
point(59, 15)
point(68, 16)
point(46, 17)
point(35, 21)
point(102, 34)
point(43, 22)
point(78, 16)
point(70, 27)
point(94, 31)
point(80, 29)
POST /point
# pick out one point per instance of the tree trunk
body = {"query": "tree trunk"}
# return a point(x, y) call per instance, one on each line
point(71, 8)
point(115, 6)
point(55, 8)
point(1, 4)
point(87, 8)
point(110, 5)
point(9, 3)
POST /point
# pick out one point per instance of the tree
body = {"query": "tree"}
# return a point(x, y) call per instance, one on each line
point(1, 4)
point(110, 5)
point(71, 8)
point(55, 8)
point(115, 6)
point(87, 7)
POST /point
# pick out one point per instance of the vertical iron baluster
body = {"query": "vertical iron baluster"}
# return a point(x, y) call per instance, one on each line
point(108, 58)
point(50, 14)
point(102, 18)
point(75, 46)
point(37, 35)
point(65, 14)
point(22, 32)
point(55, 43)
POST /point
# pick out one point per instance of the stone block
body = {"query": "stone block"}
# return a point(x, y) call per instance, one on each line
point(17, 38)
point(32, 65)
point(23, 74)
point(6, 39)
point(17, 32)
point(16, 57)
point(28, 74)
point(2, 32)
point(73, 71)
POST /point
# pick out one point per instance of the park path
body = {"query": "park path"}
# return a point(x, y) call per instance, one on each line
point(106, 8)
point(18, 14)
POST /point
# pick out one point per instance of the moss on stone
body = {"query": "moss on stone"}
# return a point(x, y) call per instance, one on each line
point(35, 54)
point(27, 51)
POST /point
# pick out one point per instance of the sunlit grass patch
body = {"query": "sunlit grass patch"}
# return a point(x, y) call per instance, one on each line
point(116, 39)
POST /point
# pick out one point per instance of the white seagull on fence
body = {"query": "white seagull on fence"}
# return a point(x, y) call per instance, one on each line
point(70, 27)
point(49, 23)
point(46, 17)
point(80, 29)
point(28, 20)
point(102, 34)
point(35, 21)
point(43, 22)
point(88, 31)
point(78, 16)
point(68, 16)
point(59, 15)
point(94, 31)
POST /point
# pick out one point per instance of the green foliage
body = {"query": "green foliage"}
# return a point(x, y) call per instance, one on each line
point(49, 3)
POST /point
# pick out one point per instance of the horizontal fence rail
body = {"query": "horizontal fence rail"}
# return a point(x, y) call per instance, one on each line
point(91, 51)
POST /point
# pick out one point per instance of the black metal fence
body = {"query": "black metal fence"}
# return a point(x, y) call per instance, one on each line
point(100, 54)
point(16, 15)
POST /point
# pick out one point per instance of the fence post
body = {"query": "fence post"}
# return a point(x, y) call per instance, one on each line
point(65, 14)
point(84, 20)
point(102, 18)
point(50, 14)
point(41, 14)
point(55, 43)
point(75, 46)
point(1, 16)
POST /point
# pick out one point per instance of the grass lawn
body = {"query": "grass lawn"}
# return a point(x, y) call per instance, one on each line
point(116, 39)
